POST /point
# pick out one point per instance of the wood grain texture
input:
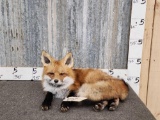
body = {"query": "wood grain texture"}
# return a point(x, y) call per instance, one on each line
point(146, 55)
point(153, 97)
point(23, 32)
point(95, 31)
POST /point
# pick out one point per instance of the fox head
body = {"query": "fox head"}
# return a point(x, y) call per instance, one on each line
point(57, 73)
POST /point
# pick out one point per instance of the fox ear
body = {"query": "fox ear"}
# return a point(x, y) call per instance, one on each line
point(68, 60)
point(45, 58)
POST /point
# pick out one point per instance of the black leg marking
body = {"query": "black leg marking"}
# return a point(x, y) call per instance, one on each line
point(65, 105)
point(71, 94)
point(47, 101)
point(100, 105)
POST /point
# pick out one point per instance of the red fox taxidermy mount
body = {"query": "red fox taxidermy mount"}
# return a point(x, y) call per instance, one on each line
point(59, 79)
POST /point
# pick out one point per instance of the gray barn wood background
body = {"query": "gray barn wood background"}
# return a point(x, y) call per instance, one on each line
point(95, 31)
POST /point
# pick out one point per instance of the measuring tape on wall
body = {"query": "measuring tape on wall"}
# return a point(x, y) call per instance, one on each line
point(135, 43)
point(35, 73)
point(20, 73)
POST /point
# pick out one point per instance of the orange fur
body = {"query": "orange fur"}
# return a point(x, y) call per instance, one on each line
point(91, 83)
point(97, 85)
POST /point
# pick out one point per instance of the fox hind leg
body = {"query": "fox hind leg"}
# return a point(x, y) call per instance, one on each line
point(100, 105)
point(113, 104)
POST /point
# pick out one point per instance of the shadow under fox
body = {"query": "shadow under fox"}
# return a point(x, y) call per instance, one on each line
point(60, 79)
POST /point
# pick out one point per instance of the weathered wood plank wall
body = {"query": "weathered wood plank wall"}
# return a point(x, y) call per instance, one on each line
point(95, 31)
point(23, 33)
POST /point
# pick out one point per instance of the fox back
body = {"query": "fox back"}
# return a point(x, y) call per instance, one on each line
point(97, 85)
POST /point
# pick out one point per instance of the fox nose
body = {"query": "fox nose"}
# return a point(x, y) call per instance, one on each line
point(56, 81)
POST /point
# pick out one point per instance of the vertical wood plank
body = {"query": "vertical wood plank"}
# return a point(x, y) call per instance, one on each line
point(23, 29)
point(153, 97)
point(2, 48)
point(147, 43)
point(96, 32)
point(37, 31)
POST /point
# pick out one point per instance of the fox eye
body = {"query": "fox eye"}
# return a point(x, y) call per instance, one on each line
point(51, 73)
point(62, 74)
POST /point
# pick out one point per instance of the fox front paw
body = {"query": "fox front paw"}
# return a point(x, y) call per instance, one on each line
point(45, 107)
point(64, 107)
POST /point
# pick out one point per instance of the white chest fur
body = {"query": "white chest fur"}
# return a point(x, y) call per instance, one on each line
point(59, 92)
